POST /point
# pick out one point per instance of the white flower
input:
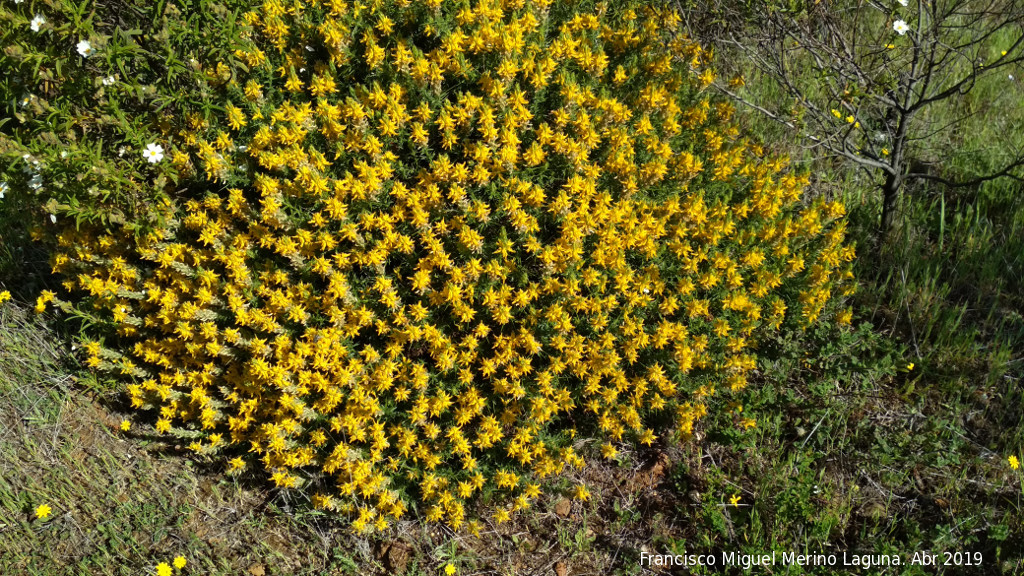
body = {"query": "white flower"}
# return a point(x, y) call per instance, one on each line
point(900, 27)
point(154, 153)
point(84, 48)
point(36, 182)
point(902, 2)
point(108, 80)
point(37, 23)
point(53, 218)
point(3, 189)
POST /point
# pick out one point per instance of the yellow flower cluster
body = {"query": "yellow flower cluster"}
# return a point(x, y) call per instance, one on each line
point(464, 229)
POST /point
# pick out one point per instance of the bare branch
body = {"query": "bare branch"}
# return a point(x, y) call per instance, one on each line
point(818, 142)
point(1006, 172)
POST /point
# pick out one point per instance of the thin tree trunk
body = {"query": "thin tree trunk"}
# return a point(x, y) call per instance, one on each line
point(890, 197)
point(894, 178)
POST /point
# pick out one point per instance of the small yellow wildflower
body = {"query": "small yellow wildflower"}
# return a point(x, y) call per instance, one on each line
point(648, 437)
point(845, 316)
point(449, 569)
point(885, 151)
point(163, 569)
point(609, 451)
point(4, 296)
point(1014, 463)
point(582, 494)
point(43, 511)
point(179, 562)
point(910, 367)
point(125, 425)
point(735, 500)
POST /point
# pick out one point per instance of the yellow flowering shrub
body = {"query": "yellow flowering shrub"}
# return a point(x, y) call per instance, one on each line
point(440, 240)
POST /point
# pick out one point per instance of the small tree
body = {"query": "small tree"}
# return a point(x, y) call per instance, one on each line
point(874, 82)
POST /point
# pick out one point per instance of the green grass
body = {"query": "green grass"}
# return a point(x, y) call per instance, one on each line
point(855, 460)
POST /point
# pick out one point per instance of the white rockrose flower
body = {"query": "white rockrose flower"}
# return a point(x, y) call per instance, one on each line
point(153, 152)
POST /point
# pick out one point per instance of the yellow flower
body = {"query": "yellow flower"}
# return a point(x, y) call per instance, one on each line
point(43, 511)
point(648, 437)
point(501, 515)
point(735, 500)
point(845, 316)
point(449, 569)
point(582, 494)
point(4, 296)
point(910, 367)
point(179, 562)
point(609, 451)
point(1014, 463)
point(125, 425)
point(163, 569)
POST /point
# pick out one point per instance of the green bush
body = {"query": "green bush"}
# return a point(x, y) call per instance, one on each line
point(424, 251)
